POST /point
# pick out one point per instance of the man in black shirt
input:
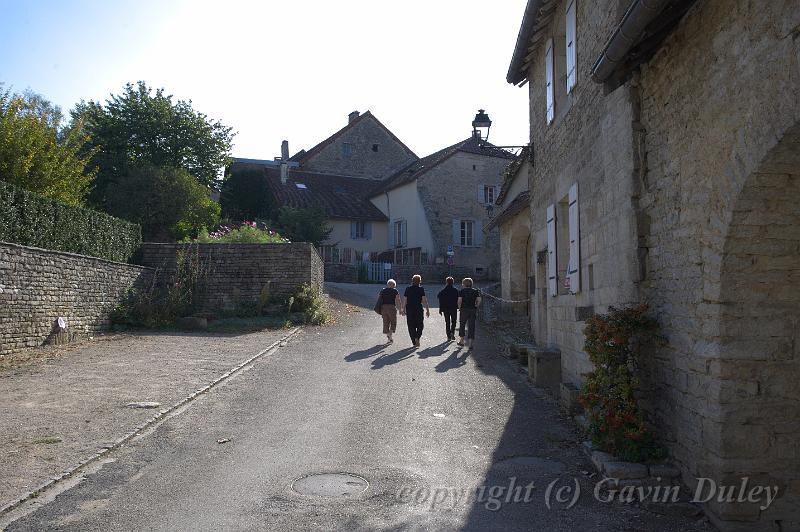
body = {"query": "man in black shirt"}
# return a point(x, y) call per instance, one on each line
point(415, 298)
point(468, 301)
point(448, 307)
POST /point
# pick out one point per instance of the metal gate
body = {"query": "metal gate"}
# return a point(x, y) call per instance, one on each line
point(379, 271)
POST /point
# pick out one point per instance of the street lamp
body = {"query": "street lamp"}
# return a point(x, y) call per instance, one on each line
point(481, 122)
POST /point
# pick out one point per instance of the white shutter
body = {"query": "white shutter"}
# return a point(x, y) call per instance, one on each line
point(481, 197)
point(368, 230)
point(548, 75)
point(456, 232)
point(404, 231)
point(392, 229)
point(477, 234)
point(574, 267)
point(571, 53)
point(552, 272)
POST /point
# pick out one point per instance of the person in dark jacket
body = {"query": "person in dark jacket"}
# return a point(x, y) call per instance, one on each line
point(448, 307)
point(414, 300)
point(469, 299)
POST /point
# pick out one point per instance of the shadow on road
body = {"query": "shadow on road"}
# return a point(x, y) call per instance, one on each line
point(364, 353)
point(433, 351)
point(456, 359)
point(387, 359)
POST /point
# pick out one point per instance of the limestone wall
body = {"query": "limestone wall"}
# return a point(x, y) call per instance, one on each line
point(238, 274)
point(38, 286)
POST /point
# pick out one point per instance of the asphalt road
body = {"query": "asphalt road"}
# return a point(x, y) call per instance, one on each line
point(426, 428)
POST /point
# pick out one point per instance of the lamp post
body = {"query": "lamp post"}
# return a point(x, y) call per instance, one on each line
point(480, 123)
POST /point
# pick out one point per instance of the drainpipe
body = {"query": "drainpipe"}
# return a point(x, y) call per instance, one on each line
point(625, 36)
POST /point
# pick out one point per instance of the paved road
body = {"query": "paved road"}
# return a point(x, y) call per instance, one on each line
point(335, 399)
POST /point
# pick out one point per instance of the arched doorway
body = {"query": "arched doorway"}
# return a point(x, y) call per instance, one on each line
point(756, 423)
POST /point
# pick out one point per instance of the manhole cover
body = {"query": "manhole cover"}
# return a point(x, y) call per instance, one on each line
point(330, 485)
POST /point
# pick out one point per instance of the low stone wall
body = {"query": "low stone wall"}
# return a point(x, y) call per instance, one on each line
point(241, 274)
point(341, 273)
point(37, 286)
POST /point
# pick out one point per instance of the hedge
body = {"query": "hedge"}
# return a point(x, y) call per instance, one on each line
point(33, 220)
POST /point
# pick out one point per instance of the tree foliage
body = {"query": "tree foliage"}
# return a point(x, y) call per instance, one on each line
point(304, 224)
point(39, 153)
point(142, 126)
point(245, 196)
point(168, 203)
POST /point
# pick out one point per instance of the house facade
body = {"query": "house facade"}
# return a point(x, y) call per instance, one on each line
point(666, 171)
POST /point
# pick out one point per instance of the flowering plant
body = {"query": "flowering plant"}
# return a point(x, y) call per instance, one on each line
point(609, 392)
point(246, 232)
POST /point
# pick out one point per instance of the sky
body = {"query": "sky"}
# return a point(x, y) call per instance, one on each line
point(273, 70)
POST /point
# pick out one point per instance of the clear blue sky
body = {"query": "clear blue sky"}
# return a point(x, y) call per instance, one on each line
point(281, 70)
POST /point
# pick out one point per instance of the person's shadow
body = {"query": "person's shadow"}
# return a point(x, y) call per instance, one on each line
point(456, 359)
point(387, 359)
point(365, 353)
point(433, 351)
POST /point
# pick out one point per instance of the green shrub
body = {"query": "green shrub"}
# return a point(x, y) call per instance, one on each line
point(32, 220)
point(610, 391)
point(308, 301)
point(247, 233)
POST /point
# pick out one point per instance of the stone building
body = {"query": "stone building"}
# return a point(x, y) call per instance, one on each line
point(383, 200)
point(667, 170)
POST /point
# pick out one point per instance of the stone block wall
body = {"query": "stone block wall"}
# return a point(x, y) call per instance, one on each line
point(38, 286)
point(341, 273)
point(238, 274)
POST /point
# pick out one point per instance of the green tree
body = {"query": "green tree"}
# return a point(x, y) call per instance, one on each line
point(142, 126)
point(39, 153)
point(245, 196)
point(168, 203)
point(304, 224)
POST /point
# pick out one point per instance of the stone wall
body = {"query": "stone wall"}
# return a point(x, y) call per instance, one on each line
point(242, 274)
point(450, 192)
point(38, 286)
point(341, 273)
point(363, 160)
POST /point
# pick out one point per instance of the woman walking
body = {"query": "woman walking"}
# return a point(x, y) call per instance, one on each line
point(415, 298)
point(390, 304)
point(468, 301)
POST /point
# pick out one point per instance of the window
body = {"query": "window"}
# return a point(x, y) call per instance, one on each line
point(399, 233)
point(360, 230)
point(467, 233)
point(300, 186)
point(489, 194)
point(571, 53)
point(375, 147)
point(548, 75)
point(474, 167)
point(347, 149)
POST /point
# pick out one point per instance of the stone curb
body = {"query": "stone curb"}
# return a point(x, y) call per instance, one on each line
point(612, 467)
point(160, 416)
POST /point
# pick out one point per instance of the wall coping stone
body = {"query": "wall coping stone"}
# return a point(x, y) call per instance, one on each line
point(73, 255)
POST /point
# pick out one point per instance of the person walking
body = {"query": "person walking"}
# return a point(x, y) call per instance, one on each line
point(415, 299)
point(448, 307)
point(390, 304)
point(469, 299)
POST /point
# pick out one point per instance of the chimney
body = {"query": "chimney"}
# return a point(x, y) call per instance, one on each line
point(352, 116)
point(284, 161)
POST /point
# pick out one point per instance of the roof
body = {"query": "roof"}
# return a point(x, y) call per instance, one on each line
point(420, 166)
point(304, 156)
point(510, 173)
point(260, 162)
point(517, 205)
point(341, 197)
point(517, 70)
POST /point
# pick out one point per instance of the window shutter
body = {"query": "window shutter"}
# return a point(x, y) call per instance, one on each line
point(481, 198)
point(353, 230)
point(574, 267)
point(404, 233)
point(548, 75)
point(552, 272)
point(456, 232)
point(392, 230)
point(477, 234)
point(368, 230)
point(571, 53)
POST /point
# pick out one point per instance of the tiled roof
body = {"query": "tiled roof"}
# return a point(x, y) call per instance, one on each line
point(517, 205)
point(341, 197)
point(304, 156)
point(511, 173)
point(419, 167)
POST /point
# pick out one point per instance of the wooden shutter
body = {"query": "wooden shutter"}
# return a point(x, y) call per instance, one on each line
point(392, 229)
point(404, 233)
point(481, 198)
point(548, 75)
point(368, 230)
point(571, 53)
point(552, 264)
point(574, 267)
point(353, 226)
point(477, 234)
point(456, 232)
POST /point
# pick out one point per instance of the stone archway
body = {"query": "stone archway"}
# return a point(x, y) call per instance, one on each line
point(755, 414)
